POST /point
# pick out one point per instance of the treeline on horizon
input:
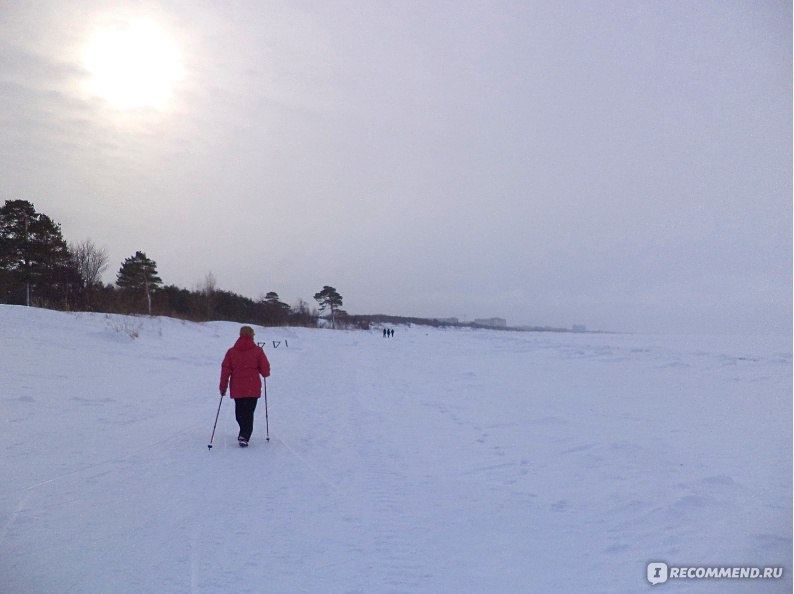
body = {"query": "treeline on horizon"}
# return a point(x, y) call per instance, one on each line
point(39, 268)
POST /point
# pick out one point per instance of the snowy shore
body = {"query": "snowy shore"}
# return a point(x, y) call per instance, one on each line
point(434, 461)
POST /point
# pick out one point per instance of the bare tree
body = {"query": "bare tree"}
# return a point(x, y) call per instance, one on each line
point(302, 315)
point(91, 261)
point(209, 285)
point(207, 289)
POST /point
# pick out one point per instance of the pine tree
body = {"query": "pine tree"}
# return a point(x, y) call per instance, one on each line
point(34, 258)
point(275, 311)
point(138, 274)
point(329, 298)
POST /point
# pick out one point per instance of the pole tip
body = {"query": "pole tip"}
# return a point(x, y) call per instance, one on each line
point(209, 447)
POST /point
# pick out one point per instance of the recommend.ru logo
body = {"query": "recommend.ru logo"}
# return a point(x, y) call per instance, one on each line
point(659, 572)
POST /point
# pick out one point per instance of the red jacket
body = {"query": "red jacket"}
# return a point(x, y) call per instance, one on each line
point(243, 364)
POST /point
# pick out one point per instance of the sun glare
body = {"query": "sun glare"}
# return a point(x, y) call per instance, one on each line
point(133, 67)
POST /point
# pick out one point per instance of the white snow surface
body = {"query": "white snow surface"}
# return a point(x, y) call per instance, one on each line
point(434, 461)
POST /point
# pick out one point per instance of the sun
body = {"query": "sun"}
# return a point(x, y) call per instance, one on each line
point(133, 66)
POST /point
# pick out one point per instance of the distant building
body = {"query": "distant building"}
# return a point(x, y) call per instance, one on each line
point(491, 322)
point(447, 320)
point(579, 328)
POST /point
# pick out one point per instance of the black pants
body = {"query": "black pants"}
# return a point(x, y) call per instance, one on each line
point(244, 411)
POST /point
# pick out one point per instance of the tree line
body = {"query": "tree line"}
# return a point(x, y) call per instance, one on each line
point(38, 267)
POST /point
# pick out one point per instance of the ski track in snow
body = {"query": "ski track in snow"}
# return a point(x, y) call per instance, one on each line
point(434, 461)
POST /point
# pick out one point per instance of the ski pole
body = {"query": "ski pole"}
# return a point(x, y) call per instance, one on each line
point(267, 422)
point(209, 446)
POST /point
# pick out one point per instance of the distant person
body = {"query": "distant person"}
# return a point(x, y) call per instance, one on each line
point(241, 367)
point(385, 332)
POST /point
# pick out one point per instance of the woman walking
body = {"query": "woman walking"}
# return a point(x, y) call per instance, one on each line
point(240, 371)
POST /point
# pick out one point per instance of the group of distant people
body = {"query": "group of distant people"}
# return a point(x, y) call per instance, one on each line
point(388, 332)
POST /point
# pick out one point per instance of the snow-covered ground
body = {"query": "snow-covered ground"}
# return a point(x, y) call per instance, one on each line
point(434, 461)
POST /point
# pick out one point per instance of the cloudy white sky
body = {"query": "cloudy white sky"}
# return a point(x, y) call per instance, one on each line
point(621, 164)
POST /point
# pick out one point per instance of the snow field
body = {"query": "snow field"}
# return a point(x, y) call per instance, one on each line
point(434, 461)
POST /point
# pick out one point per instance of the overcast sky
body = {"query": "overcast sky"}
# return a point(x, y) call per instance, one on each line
point(621, 164)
